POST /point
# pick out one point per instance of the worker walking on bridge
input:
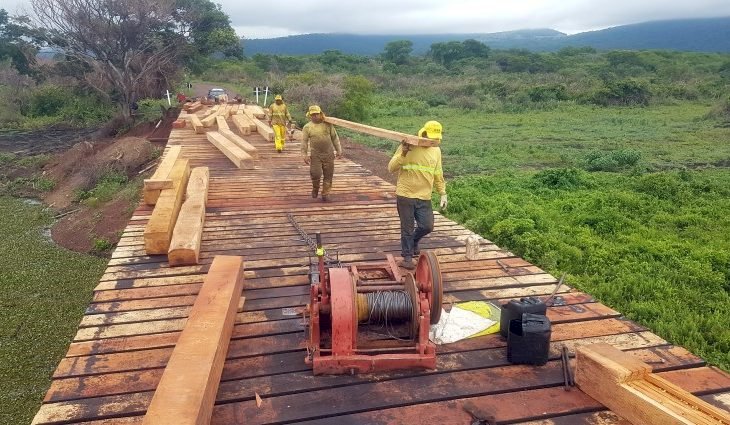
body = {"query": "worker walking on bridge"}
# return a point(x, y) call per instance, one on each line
point(279, 120)
point(419, 170)
point(321, 139)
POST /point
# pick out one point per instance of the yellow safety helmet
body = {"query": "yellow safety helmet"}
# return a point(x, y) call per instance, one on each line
point(432, 129)
point(314, 109)
point(278, 97)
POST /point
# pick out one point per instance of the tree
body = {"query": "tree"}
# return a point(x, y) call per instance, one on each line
point(446, 53)
point(207, 29)
point(474, 49)
point(133, 49)
point(131, 46)
point(397, 52)
point(17, 42)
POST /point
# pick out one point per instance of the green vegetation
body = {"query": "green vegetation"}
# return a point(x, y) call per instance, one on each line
point(45, 291)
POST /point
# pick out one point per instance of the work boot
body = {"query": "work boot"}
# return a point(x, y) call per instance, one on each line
point(279, 150)
point(315, 192)
point(416, 251)
point(324, 198)
point(407, 263)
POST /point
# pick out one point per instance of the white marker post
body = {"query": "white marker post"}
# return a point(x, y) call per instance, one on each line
point(266, 94)
point(168, 97)
point(256, 91)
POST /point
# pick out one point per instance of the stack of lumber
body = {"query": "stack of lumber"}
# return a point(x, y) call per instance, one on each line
point(381, 132)
point(192, 107)
point(161, 179)
point(158, 231)
point(188, 386)
point(188, 232)
point(626, 385)
point(212, 116)
point(196, 123)
point(235, 153)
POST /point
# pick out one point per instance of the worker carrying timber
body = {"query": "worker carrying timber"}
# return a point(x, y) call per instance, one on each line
point(321, 139)
point(279, 120)
point(419, 170)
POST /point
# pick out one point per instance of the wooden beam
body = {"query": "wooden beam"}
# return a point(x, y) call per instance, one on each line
point(381, 132)
point(256, 111)
point(222, 124)
point(264, 130)
point(197, 124)
point(236, 154)
point(186, 392)
point(210, 119)
point(188, 232)
point(625, 384)
point(158, 231)
point(211, 111)
point(161, 178)
point(238, 140)
point(243, 124)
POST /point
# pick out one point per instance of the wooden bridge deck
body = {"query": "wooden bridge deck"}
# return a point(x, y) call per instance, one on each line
point(139, 307)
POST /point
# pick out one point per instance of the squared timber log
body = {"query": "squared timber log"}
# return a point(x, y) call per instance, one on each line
point(188, 232)
point(626, 385)
point(161, 178)
point(238, 140)
point(186, 392)
point(158, 231)
point(236, 154)
point(222, 124)
point(243, 124)
point(197, 124)
point(264, 130)
point(256, 111)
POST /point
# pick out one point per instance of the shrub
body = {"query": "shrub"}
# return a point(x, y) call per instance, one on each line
point(48, 100)
point(553, 92)
point(626, 92)
point(561, 178)
point(611, 161)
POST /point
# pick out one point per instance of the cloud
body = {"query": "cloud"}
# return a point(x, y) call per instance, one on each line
point(275, 19)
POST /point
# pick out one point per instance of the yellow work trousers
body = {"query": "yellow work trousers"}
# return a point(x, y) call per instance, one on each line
point(322, 165)
point(279, 136)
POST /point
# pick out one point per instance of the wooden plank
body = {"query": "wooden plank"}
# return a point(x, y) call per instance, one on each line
point(238, 156)
point(158, 231)
point(381, 132)
point(264, 130)
point(187, 389)
point(240, 142)
point(161, 178)
point(187, 234)
point(626, 385)
point(221, 122)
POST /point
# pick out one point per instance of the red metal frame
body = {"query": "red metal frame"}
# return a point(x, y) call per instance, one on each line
point(335, 298)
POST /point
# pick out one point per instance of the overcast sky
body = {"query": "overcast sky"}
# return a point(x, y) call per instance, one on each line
point(274, 19)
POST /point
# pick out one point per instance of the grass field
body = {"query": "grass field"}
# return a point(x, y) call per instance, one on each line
point(630, 202)
point(45, 292)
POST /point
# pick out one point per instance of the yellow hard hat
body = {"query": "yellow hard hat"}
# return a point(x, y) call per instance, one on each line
point(432, 129)
point(278, 97)
point(314, 109)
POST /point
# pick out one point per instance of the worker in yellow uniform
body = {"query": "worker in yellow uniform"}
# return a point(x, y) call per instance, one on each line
point(279, 119)
point(321, 139)
point(419, 171)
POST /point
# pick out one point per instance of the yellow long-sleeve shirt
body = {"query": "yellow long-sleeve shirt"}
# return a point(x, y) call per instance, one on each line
point(419, 171)
point(279, 114)
point(322, 137)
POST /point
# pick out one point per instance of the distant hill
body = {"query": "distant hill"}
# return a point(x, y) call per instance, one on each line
point(702, 35)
